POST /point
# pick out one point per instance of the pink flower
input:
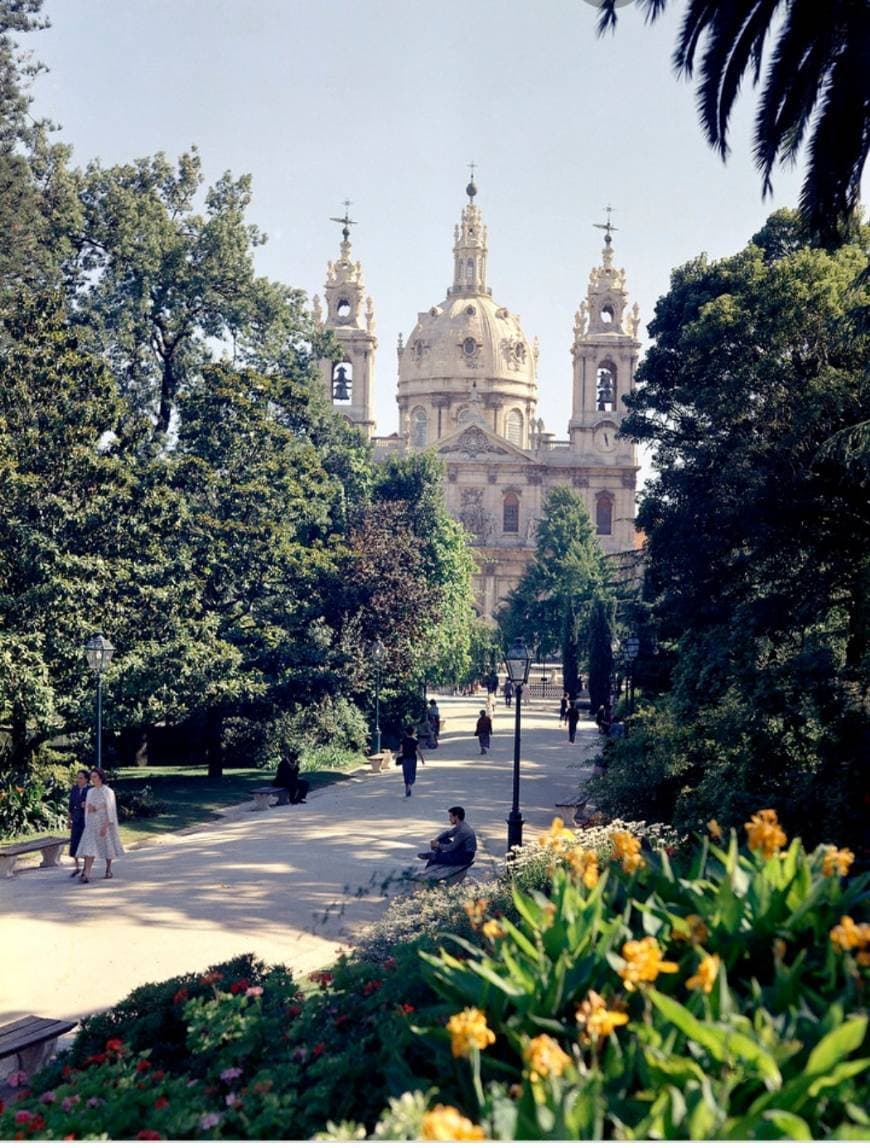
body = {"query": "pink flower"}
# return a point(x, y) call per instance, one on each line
point(95, 1102)
point(16, 1079)
point(229, 1074)
point(148, 1134)
point(69, 1102)
point(22, 1116)
point(209, 1120)
point(231, 1099)
point(255, 991)
point(47, 1098)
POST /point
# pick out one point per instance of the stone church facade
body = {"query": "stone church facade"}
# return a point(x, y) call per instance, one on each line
point(468, 390)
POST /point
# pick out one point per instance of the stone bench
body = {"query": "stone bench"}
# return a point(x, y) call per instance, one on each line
point(31, 1039)
point(50, 847)
point(383, 760)
point(262, 795)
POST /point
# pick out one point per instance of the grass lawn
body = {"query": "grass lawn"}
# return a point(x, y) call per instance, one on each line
point(191, 796)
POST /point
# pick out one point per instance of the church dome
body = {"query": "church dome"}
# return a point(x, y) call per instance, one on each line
point(468, 337)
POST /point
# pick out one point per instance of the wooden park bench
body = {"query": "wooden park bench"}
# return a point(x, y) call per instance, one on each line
point(265, 792)
point(382, 760)
point(50, 847)
point(31, 1039)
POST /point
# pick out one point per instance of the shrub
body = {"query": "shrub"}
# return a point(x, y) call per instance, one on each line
point(138, 803)
point(31, 808)
point(720, 999)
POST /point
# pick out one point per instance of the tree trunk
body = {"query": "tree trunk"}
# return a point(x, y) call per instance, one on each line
point(214, 728)
point(600, 655)
point(570, 650)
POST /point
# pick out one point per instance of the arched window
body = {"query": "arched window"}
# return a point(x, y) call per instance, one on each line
point(513, 428)
point(510, 514)
point(606, 387)
point(342, 382)
point(469, 271)
point(463, 414)
point(607, 315)
point(604, 513)
point(419, 427)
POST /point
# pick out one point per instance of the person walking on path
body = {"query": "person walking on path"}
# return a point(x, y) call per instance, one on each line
point(456, 845)
point(563, 708)
point(100, 837)
point(573, 718)
point(483, 731)
point(508, 693)
point(434, 716)
point(76, 823)
point(490, 706)
point(410, 752)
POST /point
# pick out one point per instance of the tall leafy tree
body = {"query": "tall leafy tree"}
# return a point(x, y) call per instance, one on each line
point(550, 606)
point(816, 89)
point(757, 541)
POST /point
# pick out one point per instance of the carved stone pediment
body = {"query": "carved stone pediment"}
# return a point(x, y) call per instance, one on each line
point(472, 443)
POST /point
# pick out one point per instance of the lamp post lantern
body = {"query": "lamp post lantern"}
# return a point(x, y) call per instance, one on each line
point(98, 651)
point(378, 652)
point(517, 661)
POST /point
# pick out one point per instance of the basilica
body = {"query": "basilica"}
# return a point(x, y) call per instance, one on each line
point(468, 390)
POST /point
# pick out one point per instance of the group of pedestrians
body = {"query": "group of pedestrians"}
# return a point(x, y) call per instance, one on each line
point(410, 752)
point(93, 824)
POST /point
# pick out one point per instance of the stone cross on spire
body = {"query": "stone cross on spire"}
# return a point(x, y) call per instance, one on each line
point(608, 229)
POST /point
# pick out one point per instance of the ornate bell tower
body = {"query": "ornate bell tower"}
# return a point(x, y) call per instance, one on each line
point(605, 352)
point(348, 380)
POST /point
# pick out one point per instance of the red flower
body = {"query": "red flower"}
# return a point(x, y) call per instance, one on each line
point(292, 1011)
point(23, 1117)
point(143, 1065)
point(2, 1107)
point(322, 978)
point(70, 1136)
point(99, 1058)
point(240, 986)
point(114, 1045)
point(180, 997)
point(148, 1134)
point(157, 1076)
point(319, 1049)
point(211, 978)
point(66, 1072)
point(390, 963)
point(161, 1102)
point(341, 1019)
point(371, 987)
point(406, 1008)
point(36, 1124)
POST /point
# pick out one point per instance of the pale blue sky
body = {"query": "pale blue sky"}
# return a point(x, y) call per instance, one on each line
point(385, 102)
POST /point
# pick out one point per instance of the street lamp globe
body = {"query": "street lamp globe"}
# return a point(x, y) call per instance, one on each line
point(517, 661)
point(98, 651)
point(378, 651)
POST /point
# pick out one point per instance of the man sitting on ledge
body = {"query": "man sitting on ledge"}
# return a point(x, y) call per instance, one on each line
point(288, 778)
point(456, 845)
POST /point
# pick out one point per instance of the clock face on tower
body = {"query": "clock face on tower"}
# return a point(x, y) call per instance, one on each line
point(605, 438)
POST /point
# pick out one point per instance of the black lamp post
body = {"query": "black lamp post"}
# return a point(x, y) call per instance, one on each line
point(378, 652)
point(632, 645)
point(517, 661)
point(99, 653)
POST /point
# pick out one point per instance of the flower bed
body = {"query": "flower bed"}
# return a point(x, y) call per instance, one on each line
point(717, 993)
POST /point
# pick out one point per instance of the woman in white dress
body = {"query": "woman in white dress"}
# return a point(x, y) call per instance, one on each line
point(100, 838)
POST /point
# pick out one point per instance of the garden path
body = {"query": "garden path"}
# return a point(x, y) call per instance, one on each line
point(290, 884)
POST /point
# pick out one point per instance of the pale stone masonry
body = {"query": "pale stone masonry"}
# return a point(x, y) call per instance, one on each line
point(468, 390)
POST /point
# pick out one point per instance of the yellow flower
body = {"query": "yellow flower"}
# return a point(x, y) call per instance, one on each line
point(493, 929)
point(584, 865)
point(765, 833)
point(476, 911)
point(698, 933)
point(837, 859)
point(705, 977)
point(779, 949)
point(447, 1123)
point(714, 828)
point(597, 1019)
point(626, 848)
point(549, 911)
point(545, 1057)
point(557, 837)
point(848, 935)
point(643, 962)
point(468, 1031)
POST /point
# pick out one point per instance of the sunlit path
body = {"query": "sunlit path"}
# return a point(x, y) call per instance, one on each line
point(290, 884)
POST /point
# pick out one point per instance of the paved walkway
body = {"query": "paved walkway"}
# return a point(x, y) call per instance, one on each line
point(290, 884)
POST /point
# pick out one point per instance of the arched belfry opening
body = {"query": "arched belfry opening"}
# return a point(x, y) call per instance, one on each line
point(342, 382)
